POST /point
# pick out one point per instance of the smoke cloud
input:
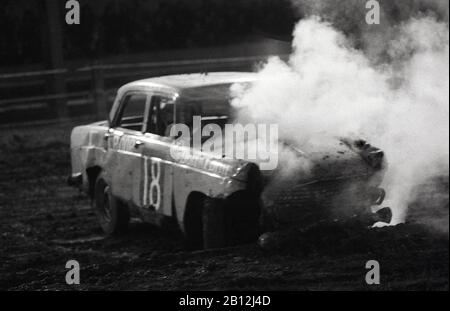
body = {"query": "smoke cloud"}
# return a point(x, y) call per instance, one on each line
point(389, 85)
point(348, 16)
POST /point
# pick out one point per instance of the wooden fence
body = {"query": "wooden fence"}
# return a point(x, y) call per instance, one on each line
point(90, 90)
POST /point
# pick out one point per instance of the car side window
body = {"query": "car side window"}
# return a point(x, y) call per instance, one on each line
point(161, 116)
point(133, 111)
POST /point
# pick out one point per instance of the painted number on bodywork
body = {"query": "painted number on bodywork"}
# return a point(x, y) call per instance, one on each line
point(152, 189)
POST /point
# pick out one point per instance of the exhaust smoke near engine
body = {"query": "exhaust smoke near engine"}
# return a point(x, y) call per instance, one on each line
point(387, 83)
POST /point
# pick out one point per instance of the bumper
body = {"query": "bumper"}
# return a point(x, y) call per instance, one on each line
point(303, 205)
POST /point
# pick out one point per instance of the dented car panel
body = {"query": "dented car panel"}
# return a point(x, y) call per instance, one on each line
point(145, 175)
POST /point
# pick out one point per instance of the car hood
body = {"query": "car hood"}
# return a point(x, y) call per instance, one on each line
point(326, 158)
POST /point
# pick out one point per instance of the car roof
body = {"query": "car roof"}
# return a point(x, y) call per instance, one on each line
point(179, 83)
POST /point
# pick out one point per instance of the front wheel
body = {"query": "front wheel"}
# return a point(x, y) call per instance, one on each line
point(230, 222)
point(213, 223)
point(112, 214)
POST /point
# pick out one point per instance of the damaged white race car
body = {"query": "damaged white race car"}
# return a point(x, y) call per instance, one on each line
point(125, 165)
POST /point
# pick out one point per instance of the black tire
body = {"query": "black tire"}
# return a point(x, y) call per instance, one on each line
point(216, 223)
point(242, 219)
point(113, 215)
point(213, 223)
point(230, 222)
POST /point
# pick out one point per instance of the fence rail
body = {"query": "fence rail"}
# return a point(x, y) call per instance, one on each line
point(88, 90)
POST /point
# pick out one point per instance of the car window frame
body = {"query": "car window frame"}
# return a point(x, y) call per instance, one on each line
point(172, 96)
point(122, 103)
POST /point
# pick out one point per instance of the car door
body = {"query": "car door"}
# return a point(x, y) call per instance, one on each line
point(157, 167)
point(125, 143)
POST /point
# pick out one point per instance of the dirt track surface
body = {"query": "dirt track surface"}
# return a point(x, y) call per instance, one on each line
point(44, 223)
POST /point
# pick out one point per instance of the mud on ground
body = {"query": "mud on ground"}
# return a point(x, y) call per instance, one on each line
point(44, 223)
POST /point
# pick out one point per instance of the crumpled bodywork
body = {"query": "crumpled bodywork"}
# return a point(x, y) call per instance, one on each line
point(339, 178)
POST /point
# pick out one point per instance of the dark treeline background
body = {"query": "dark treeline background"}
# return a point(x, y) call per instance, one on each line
point(114, 27)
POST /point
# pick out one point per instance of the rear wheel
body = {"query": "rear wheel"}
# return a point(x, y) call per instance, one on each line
point(113, 215)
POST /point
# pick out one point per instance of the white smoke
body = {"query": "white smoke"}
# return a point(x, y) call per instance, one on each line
point(330, 87)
